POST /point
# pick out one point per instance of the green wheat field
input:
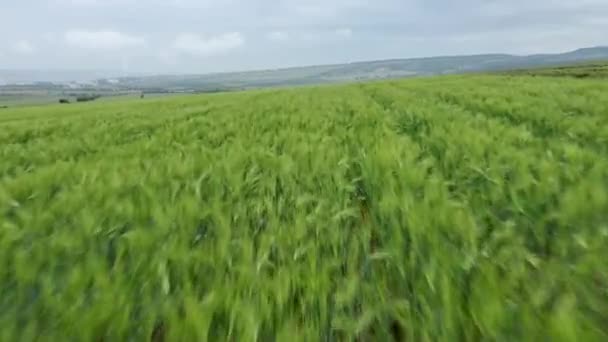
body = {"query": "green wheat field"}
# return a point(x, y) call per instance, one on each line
point(460, 208)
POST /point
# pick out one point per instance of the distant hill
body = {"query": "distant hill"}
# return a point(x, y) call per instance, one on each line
point(596, 70)
point(396, 68)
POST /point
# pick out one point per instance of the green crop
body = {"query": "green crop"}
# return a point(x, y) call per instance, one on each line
point(455, 208)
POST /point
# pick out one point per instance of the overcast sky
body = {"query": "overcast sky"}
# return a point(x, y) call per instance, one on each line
point(194, 36)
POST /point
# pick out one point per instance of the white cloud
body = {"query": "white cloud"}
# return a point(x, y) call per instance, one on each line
point(24, 47)
point(102, 40)
point(208, 46)
point(278, 36)
point(313, 27)
point(344, 32)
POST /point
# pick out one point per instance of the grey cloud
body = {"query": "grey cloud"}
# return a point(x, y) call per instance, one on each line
point(23, 47)
point(278, 36)
point(102, 40)
point(190, 35)
point(208, 46)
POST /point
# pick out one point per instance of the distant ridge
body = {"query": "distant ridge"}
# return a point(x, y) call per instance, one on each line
point(370, 70)
point(381, 69)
